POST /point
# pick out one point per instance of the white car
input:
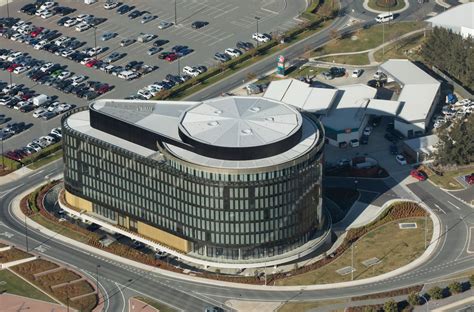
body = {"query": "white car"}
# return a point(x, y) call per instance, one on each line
point(40, 45)
point(41, 11)
point(401, 159)
point(145, 93)
point(53, 106)
point(84, 17)
point(63, 75)
point(20, 69)
point(232, 52)
point(356, 73)
point(110, 5)
point(46, 14)
point(94, 51)
point(16, 36)
point(77, 79)
point(261, 37)
point(82, 26)
point(48, 5)
point(34, 146)
point(57, 131)
point(66, 53)
point(46, 67)
point(39, 112)
point(73, 21)
point(368, 130)
point(188, 70)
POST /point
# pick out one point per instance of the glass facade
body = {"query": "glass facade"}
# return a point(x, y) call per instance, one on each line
point(235, 215)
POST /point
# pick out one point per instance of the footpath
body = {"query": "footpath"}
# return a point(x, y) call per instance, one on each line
point(371, 52)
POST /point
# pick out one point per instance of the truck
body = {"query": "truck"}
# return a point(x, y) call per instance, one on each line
point(40, 99)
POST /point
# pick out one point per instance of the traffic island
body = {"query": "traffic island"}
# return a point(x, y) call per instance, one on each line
point(385, 6)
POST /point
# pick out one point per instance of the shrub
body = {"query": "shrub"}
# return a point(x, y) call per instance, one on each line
point(471, 280)
point(390, 306)
point(455, 288)
point(435, 293)
point(414, 299)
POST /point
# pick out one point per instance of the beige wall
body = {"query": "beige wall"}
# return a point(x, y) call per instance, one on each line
point(77, 202)
point(163, 237)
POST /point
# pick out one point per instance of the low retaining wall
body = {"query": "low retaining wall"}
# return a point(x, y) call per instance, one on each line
point(16, 262)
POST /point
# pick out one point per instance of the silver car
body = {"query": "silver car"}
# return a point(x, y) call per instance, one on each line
point(164, 25)
point(108, 35)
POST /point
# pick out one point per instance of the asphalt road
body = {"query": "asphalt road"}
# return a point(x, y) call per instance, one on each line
point(450, 255)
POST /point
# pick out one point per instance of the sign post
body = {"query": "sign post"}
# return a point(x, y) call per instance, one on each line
point(281, 66)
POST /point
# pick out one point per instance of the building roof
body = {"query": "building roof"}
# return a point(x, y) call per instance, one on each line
point(301, 95)
point(426, 144)
point(383, 107)
point(349, 108)
point(419, 89)
point(458, 16)
point(240, 122)
point(309, 138)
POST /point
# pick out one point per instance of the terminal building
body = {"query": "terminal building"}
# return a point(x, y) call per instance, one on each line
point(226, 180)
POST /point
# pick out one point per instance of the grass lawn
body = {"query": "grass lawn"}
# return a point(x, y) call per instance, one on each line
point(306, 306)
point(373, 5)
point(448, 179)
point(58, 228)
point(13, 284)
point(403, 49)
point(405, 246)
point(158, 305)
point(46, 160)
point(367, 38)
point(351, 59)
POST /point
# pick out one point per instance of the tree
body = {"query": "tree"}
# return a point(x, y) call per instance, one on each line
point(435, 293)
point(471, 280)
point(455, 288)
point(414, 299)
point(456, 146)
point(390, 306)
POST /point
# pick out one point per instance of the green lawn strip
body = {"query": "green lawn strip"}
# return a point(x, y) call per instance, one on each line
point(58, 228)
point(373, 5)
point(404, 49)
point(9, 164)
point(46, 160)
point(448, 179)
point(157, 305)
point(350, 59)
point(307, 306)
point(13, 284)
point(366, 39)
point(405, 246)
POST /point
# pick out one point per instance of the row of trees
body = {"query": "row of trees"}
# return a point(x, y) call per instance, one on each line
point(456, 143)
point(451, 53)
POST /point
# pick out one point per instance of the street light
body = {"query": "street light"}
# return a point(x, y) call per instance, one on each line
point(426, 302)
point(26, 225)
point(97, 278)
point(352, 261)
point(95, 41)
point(179, 67)
point(3, 157)
point(257, 19)
point(8, 10)
point(175, 14)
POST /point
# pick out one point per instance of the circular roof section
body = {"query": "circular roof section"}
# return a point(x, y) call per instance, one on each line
point(240, 122)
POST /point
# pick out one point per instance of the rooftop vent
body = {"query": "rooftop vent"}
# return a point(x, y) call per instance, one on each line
point(271, 119)
point(246, 132)
point(217, 112)
point(254, 109)
point(213, 123)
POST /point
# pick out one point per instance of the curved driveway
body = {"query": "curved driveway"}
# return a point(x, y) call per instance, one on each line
point(449, 257)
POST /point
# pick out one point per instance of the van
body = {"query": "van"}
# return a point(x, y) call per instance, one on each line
point(384, 17)
point(128, 75)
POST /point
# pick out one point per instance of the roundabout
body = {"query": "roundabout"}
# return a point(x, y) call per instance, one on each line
point(384, 6)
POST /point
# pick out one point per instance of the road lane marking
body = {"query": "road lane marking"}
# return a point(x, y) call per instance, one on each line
point(471, 232)
point(453, 205)
point(440, 208)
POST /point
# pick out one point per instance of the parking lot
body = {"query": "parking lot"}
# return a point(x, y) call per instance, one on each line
point(229, 22)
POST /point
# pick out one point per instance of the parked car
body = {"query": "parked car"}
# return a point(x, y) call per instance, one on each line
point(356, 73)
point(401, 159)
point(199, 24)
point(126, 42)
point(108, 35)
point(233, 52)
point(148, 18)
point(164, 25)
point(469, 179)
point(261, 37)
point(221, 57)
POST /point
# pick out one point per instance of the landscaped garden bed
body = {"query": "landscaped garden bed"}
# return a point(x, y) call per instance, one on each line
point(13, 254)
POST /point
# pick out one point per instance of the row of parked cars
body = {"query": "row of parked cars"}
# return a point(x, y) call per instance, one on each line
point(456, 111)
point(36, 145)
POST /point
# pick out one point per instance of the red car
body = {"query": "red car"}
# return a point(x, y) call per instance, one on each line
point(104, 89)
point(12, 67)
point(36, 32)
point(419, 175)
point(469, 179)
point(171, 57)
point(91, 63)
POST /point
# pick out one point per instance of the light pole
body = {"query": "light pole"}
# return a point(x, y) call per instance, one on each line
point(175, 14)
point(8, 10)
point(352, 261)
point(26, 227)
point(3, 158)
point(95, 41)
point(265, 273)
point(257, 19)
point(426, 302)
point(426, 230)
point(97, 278)
point(179, 66)
point(383, 40)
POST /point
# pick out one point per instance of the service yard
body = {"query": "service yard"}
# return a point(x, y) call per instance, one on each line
point(226, 23)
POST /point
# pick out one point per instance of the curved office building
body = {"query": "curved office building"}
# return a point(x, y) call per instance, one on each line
point(232, 179)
